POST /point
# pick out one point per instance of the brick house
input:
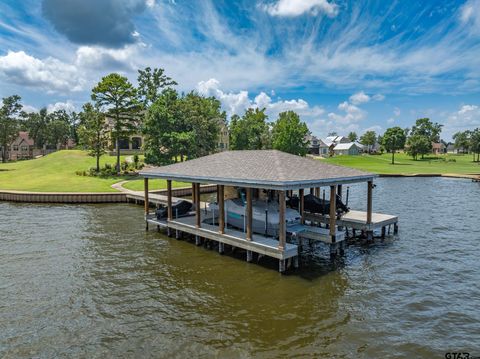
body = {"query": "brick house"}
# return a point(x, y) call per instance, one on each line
point(22, 148)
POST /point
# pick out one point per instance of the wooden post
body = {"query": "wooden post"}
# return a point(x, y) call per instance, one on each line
point(249, 214)
point(145, 186)
point(197, 205)
point(369, 210)
point(317, 192)
point(312, 190)
point(193, 193)
point(301, 200)
point(333, 212)
point(369, 202)
point(282, 236)
point(221, 208)
point(169, 200)
point(339, 190)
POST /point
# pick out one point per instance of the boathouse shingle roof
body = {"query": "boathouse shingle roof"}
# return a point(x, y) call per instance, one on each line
point(258, 169)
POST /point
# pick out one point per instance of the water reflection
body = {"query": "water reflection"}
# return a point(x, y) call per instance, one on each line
point(88, 281)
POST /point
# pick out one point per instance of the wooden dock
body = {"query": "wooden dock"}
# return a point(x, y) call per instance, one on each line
point(233, 237)
point(357, 220)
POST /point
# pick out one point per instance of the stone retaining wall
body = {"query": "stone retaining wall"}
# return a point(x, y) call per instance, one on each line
point(53, 197)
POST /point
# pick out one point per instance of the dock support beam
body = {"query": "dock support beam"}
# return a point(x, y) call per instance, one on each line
point(282, 228)
point(249, 215)
point(221, 208)
point(249, 256)
point(369, 210)
point(301, 195)
point(197, 205)
point(169, 200)
point(333, 212)
point(145, 186)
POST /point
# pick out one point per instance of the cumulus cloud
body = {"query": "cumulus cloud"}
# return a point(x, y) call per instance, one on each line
point(466, 117)
point(107, 59)
point(292, 8)
point(92, 22)
point(238, 102)
point(67, 106)
point(47, 74)
point(359, 97)
point(351, 114)
point(397, 112)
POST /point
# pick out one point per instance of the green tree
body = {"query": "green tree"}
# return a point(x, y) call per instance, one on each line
point(151, 83)
point(352, 136)
point(368, 139)
point(116, 96)
point(92, 132)
point(475, 143)
point(462, 140)
point(164, 126)
point(37, 126)
point(10, 110)
point(58, 128)
point(394, 139)
point(202, 117)
point(251, 131)
point(417, 145)
point(430, 130)
point(288, 134)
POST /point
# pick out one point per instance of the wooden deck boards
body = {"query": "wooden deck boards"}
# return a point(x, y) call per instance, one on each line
point(357, 220)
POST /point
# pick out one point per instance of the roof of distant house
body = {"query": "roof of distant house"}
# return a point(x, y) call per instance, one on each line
point(344, 146)
point(269, 169)
point(23, 136)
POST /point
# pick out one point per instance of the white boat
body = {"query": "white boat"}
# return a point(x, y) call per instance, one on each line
point(265, 215)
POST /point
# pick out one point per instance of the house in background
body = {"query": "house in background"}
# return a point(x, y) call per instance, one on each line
point(316, 146)
point(22, 148)
point(438, 148)
point(350, 149)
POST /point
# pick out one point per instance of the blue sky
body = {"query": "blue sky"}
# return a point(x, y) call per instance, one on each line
point(342, 65)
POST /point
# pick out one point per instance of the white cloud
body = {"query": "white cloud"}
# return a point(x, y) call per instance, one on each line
point(470, 15)
point(238, 102)
point(396, 112)
point(359, 97)
point(291, 8)
point(99, 58)
point(49, 74)
point(352, 114)
point(466, 118)
point(390, 120)
point(378, 97)
point(67, 106)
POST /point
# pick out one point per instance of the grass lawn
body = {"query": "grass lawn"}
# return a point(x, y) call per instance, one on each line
point(137, 184)
point(56, 173)
point(381, 164)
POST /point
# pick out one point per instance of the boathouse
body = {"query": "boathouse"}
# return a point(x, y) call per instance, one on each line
point(255, 172)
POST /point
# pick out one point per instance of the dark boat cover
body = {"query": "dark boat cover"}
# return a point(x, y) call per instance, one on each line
point(314, 204)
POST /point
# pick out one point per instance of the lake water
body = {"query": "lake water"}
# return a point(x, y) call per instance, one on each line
point(88, 281)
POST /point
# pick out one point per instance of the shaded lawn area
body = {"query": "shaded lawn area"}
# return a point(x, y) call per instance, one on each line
point(56, 173)
point(381, 164)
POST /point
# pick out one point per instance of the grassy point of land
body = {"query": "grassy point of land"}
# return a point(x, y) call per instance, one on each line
point(405, 165)
point(56, 173)
point(137, 184)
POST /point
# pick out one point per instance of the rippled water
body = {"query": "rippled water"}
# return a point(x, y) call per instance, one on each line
point(88, 281)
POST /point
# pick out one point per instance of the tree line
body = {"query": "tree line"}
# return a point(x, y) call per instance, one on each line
point(46, 129)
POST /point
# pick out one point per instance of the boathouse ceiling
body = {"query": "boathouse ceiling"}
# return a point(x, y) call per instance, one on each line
point(268, 169)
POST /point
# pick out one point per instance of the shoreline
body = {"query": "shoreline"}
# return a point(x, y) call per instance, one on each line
point(122, 195)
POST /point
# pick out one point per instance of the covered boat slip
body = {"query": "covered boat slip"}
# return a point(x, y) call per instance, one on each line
point(267, 173)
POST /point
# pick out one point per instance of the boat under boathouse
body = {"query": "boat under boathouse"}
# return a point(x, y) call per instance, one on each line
point(250, 211)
